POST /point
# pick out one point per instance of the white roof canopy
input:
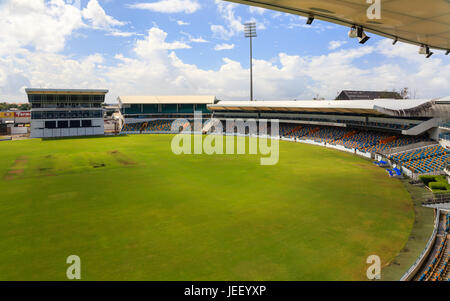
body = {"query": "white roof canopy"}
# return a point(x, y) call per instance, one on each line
point(393, 107)
point(66, 91)
point(411, 21)
point(187, 99)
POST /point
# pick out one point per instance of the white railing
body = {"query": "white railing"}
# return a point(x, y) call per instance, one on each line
point(423, 256)
point(410, 147)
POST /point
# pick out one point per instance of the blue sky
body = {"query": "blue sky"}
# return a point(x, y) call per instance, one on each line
point(277, 32)
point(197, 47)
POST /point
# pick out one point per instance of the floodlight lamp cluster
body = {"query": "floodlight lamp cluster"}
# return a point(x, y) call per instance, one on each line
point(358, 32)
point(250, 30)
point(425, 50)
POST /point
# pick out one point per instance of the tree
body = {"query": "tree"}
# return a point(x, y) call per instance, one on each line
point(8, 106)
point(318, 97)
point(404, 92)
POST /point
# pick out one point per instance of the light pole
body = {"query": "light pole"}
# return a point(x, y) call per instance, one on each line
point(250, 32)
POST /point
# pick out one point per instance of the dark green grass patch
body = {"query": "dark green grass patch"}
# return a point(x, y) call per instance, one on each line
point(132, 210)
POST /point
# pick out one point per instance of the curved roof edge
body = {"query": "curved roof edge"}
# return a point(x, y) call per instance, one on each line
point(392, 107)
point(175, 99)
point(435, 108)
point(413, 22)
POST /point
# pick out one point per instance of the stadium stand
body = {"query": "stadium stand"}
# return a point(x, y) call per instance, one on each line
point(437, 268)
point(424, 160)
point(363, 139)
point(158, 126)
point(395, 142)
point(367, 141)
point(153, 126)
point(370, 128)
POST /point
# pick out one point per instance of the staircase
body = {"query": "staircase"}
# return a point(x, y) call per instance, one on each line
point(422, 127)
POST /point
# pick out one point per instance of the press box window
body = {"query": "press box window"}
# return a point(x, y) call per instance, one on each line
point(74, 123)
point(50, 124)
point(63, 124)
point(86, 123)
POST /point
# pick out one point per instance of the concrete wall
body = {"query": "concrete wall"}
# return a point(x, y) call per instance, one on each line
point(19, 130)
point(38, 131)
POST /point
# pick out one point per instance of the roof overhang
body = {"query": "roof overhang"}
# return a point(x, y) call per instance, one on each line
point(179, 99)
point(390, 107)
point(416, 22)
point(30, 91)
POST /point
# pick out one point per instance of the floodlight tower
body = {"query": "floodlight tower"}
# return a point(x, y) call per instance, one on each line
point(250, 32)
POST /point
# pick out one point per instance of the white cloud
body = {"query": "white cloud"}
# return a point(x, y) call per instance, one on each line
point(126, 34)
point(155, 41)
point(30, 57)
point(336, 44)
point(43, 26)
point(234, 24)
point(182, 23)
point(193, 39)
point(257, 10)
point(46, 25)
point(98, 17)
point(169, 6)
point(224, 46)
point(198, 40)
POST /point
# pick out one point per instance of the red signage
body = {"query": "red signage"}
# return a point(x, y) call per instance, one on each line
point(23, 114)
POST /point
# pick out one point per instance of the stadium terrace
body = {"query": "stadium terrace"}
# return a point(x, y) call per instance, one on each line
point(376, 128)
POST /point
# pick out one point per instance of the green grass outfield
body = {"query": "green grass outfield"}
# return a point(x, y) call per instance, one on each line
point(132, 210)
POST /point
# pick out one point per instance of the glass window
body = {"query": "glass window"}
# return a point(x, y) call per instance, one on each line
point(50, 124)
point(86, 123)
point(186, 108)
point(75, 123)
point(36, 115)
point(169, 108)
point(63, 124)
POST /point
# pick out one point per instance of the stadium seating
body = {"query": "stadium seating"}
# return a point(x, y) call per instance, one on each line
point(398, 141)
point(326, 134)
point(381, 163)
point(424, 160)
point(153, 126)
point(363, 140)
point(438, 269)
